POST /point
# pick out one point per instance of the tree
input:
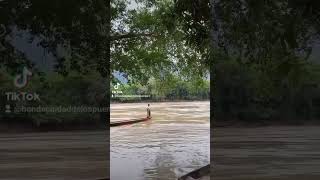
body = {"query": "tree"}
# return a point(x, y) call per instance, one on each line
point(150, 40)
point(82, 28)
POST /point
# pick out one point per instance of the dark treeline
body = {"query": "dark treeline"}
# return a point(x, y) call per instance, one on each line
point(58, 95)
point(287, 92)
point(264, 60)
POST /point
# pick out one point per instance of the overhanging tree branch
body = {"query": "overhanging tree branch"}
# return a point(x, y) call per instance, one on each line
point(117, 37)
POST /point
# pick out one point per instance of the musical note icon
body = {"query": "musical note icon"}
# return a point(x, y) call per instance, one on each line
point(116, 86)
point(21, 80)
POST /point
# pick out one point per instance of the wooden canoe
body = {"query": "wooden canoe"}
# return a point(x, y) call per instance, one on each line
point(131, 121)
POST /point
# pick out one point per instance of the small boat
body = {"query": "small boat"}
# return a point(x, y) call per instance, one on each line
point(131, 121)
point(199, 174)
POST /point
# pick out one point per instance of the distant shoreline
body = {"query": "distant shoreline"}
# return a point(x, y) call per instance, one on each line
point(24, 126)
point(5, 129)
point(263, 123)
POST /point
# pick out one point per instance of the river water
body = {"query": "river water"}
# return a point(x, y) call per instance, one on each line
point(264, 153)
point(54, 155)
point(175, 142)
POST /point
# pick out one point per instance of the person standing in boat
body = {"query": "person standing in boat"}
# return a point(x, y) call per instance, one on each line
point(148, 111)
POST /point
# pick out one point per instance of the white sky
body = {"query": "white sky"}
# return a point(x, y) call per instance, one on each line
point(133, 5)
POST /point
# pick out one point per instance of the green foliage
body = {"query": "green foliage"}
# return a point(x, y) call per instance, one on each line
point(170, 88)
point(81, 28)
point(58, 91)
point(194, 16)
point(150, 41)
point(244, 92)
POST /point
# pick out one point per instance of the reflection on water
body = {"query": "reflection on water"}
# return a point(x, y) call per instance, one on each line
point(174, 142)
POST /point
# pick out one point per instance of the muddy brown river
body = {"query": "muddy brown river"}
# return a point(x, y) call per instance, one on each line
point(266, 153)
point(175, 142)
point(54, 155)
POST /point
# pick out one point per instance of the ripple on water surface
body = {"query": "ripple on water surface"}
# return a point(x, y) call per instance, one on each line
point(174, 142)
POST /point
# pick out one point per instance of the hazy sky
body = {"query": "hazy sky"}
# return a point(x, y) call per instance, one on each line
point(132, 4)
